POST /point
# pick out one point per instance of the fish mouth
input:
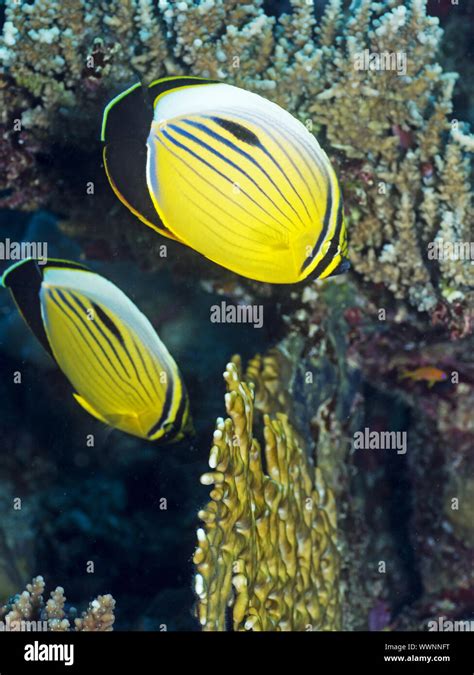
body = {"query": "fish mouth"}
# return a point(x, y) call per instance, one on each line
point(342, 267)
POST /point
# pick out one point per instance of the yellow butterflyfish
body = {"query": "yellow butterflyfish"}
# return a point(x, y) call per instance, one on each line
point(229, 174)
point(120, 370)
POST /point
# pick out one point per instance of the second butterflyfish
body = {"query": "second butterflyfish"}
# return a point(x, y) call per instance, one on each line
point(120, 370)
point(228, 173)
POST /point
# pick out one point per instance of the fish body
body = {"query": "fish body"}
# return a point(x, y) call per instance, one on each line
point(120, 370)
point(428, 374)
point(229, 174)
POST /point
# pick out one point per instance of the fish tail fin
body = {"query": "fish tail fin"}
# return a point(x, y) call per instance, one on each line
point(405, 374)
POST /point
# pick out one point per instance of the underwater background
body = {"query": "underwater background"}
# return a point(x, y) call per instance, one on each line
point(385, 347)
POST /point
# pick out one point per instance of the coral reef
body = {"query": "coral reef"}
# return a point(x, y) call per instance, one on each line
point(405, 178)
point(404, 168)
point(441, 529)
point(268, 542)
point(325, 398)
point(30, 607)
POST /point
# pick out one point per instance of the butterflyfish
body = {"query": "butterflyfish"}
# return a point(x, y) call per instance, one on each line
point(228, 173)
point(120, 370)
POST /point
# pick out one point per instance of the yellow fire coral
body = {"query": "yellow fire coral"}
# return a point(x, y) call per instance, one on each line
point(267, 547)
point(270, 374)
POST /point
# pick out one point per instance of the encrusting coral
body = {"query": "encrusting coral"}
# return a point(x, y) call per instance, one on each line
point(405, 177)
point(267, 547)
point(30, 606)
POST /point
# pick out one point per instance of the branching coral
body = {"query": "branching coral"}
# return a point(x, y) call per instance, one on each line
point(30, 606)
point(268, 544)
point(59, 64)
point(397, 163)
